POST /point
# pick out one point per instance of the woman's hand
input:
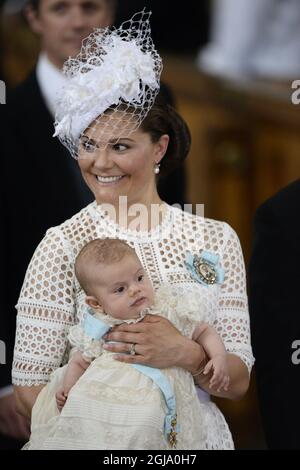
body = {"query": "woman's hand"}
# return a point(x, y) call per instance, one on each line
point(157, 343)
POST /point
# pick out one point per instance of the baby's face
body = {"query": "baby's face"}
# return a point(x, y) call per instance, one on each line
point(123, 288)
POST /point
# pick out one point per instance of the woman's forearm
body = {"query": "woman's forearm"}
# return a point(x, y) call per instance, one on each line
point(25, 398)
point(191, 355)
point(239, 380)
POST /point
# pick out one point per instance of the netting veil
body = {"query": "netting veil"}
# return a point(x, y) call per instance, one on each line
point(112, 84)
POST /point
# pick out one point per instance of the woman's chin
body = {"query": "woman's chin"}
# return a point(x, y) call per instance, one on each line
point(102, 198)
point(110, 193)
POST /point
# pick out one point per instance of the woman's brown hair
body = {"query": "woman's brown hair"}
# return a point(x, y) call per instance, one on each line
point(164, 119)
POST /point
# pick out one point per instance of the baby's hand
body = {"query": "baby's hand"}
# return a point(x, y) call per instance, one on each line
point(220, 378)
point(61, 398)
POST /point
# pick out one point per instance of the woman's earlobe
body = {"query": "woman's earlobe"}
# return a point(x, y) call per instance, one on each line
point(162, 147)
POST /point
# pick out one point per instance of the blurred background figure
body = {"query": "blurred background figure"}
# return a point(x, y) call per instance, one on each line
point(175, 30)
point(274, 315)
point(253, 38)
point(29, 152)
point(181, 31)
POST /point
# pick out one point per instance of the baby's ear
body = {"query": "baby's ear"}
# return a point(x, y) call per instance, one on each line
point(92, 302)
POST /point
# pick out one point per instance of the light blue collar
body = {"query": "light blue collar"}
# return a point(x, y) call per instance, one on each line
point(94, 327)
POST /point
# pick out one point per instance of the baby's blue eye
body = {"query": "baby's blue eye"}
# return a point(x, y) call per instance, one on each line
point(120, 290)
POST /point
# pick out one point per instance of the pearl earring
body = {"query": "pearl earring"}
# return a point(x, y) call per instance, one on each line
point(156, 168)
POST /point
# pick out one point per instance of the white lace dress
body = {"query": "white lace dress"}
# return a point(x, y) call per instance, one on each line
point(51, 299)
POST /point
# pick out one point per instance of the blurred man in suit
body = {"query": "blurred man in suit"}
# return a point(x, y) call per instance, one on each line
point(42, 185)
point(38, 173)
point(275, 315)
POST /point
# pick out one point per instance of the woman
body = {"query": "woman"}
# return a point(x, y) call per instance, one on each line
point(123, 136)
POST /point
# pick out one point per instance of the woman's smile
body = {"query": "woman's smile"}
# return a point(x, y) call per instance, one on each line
point(109, 180)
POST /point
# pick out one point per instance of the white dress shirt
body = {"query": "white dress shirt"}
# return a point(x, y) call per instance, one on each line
point(51, 80)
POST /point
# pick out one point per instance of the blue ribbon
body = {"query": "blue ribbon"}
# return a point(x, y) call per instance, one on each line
point(163, 383)
point(94, 327)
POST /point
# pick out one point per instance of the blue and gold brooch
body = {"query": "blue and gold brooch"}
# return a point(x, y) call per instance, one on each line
point(205, 268)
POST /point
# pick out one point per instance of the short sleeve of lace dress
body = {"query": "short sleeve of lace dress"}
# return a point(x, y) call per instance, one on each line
point(232, 321)
point(45, 311)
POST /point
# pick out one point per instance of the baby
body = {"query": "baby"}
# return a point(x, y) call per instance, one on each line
point(115, 283)
point(108, 404)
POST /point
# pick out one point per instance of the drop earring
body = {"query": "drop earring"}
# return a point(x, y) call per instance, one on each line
point(157, 168)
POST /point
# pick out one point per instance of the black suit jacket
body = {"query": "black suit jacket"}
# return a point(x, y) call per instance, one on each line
point(275, 315)
point(41, 187)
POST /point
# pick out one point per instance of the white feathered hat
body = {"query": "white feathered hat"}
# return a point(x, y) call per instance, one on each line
point(117, 69)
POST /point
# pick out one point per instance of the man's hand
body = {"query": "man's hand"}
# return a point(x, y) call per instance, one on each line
point(12, 424)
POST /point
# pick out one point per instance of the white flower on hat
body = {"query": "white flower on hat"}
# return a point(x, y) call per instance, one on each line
point(114, 66)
